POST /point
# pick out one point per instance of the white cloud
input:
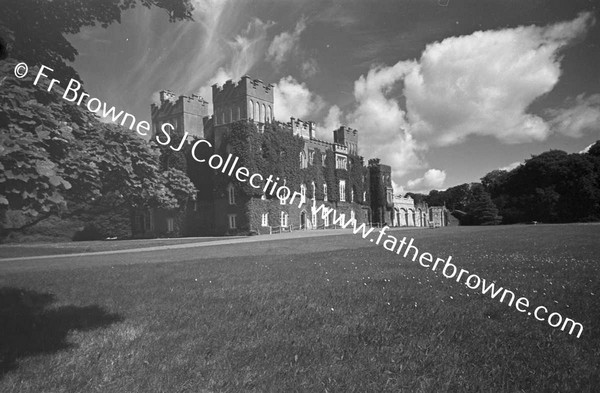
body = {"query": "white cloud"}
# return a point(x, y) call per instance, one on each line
point(309, 68)
point(581, 116)
point(381, 123)
point(433, 178)
point(285, 43)
point(243, 54)
point(510, 167)
point(293, 99)
point(480, 84)
point(332, 122)
point(587, 149)
point(483, 83)
point(398, 189)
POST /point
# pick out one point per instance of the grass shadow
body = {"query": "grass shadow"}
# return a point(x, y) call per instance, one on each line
point(29, 327)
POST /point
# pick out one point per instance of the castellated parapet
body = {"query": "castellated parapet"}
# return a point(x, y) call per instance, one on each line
point(249, 99)
point(305, 129)
point(185, 114)
point(348, 137)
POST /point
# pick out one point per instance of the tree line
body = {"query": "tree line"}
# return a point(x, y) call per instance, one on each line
point(552, 187)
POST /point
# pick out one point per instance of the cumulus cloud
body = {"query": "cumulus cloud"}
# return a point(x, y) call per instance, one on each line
point(433, 178)
point(285, 44)
point(332, 122)
point(478, 84)
point(294, 99)
point(582, 115)
point(483, 83)
point(381, 122)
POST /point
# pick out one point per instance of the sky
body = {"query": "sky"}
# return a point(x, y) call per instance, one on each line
point(444, 91)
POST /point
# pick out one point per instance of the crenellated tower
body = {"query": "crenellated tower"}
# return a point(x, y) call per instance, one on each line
point(185, 114)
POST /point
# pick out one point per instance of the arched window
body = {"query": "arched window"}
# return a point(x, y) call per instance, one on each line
point(231, 194)
point(256, 110)
point(303, 192)
point(250, 109)
point(303, 163)
point(314, 190)
point(269, 118)
point(263, 111)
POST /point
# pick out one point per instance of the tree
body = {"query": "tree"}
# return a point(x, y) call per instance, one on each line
point(480, 209)
point(57, 158)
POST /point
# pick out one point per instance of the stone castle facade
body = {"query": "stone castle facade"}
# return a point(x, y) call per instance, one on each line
point(220, 211)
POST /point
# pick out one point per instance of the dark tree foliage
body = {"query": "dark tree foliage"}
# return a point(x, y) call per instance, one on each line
point(57, 158)
point(551, 187)
point(480, 209)
point(417, 197)
point(35, 30)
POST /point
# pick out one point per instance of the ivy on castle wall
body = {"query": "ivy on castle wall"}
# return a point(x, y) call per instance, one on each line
point(276, 151)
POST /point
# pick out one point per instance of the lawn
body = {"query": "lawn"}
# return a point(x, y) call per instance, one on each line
point(327, 314)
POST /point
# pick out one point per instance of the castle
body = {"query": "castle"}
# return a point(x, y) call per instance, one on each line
point(327, 173)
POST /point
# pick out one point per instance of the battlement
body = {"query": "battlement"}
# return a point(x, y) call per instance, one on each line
point(305, 129)
point(342, 149)
point(170, 106)
point(348, 137)
point(185, 113)
point(246, 86)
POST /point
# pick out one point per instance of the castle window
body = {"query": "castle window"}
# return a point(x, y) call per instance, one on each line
point(325, 192)
point(284, 219)
point(341, 162)
point(311, 157)
point(250, 109)
point(256, 110)
point(232, 221)
point(314, 190)
point(342, 190)
point(265, 220)
point(352, 195)
point(231, 194)
point(262, 113)
point(323, 157)
point(223, 117)
point(303, 160)
point(364, 196)
point(269, 118)
point(303, 192)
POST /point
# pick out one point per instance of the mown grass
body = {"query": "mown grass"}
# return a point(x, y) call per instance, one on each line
point(351, 320)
